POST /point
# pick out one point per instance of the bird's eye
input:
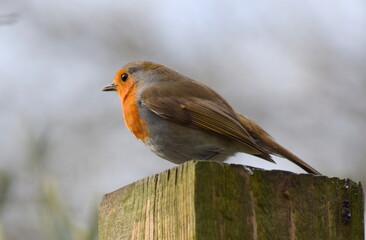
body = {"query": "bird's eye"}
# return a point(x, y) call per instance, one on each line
point(124, 77)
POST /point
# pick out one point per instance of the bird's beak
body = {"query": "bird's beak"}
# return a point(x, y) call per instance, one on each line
point(111, 87)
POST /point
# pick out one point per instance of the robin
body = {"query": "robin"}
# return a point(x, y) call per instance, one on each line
point(180, 119)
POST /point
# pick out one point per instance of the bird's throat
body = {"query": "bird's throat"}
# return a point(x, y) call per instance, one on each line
point(131, 113)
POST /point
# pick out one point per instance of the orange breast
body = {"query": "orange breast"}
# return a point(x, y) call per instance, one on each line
point(131, 113)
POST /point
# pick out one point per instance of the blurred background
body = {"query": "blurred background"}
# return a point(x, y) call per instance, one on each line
point(298, 68)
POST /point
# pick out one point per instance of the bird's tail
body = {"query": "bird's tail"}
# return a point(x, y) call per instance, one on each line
point(269, 145)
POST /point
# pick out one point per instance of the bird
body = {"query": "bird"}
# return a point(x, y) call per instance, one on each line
point(180, 119)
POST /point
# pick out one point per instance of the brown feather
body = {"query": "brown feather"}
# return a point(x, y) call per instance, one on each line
point(211, 115)
point(267, 142)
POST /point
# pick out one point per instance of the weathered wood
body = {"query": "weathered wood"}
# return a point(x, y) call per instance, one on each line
point(208, 200)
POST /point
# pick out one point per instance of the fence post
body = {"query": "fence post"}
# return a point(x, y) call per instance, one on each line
point(209, 200)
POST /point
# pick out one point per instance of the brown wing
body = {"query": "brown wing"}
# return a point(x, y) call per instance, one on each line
point(210, 114)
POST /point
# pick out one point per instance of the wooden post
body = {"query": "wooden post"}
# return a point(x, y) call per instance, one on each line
point(209, 200)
